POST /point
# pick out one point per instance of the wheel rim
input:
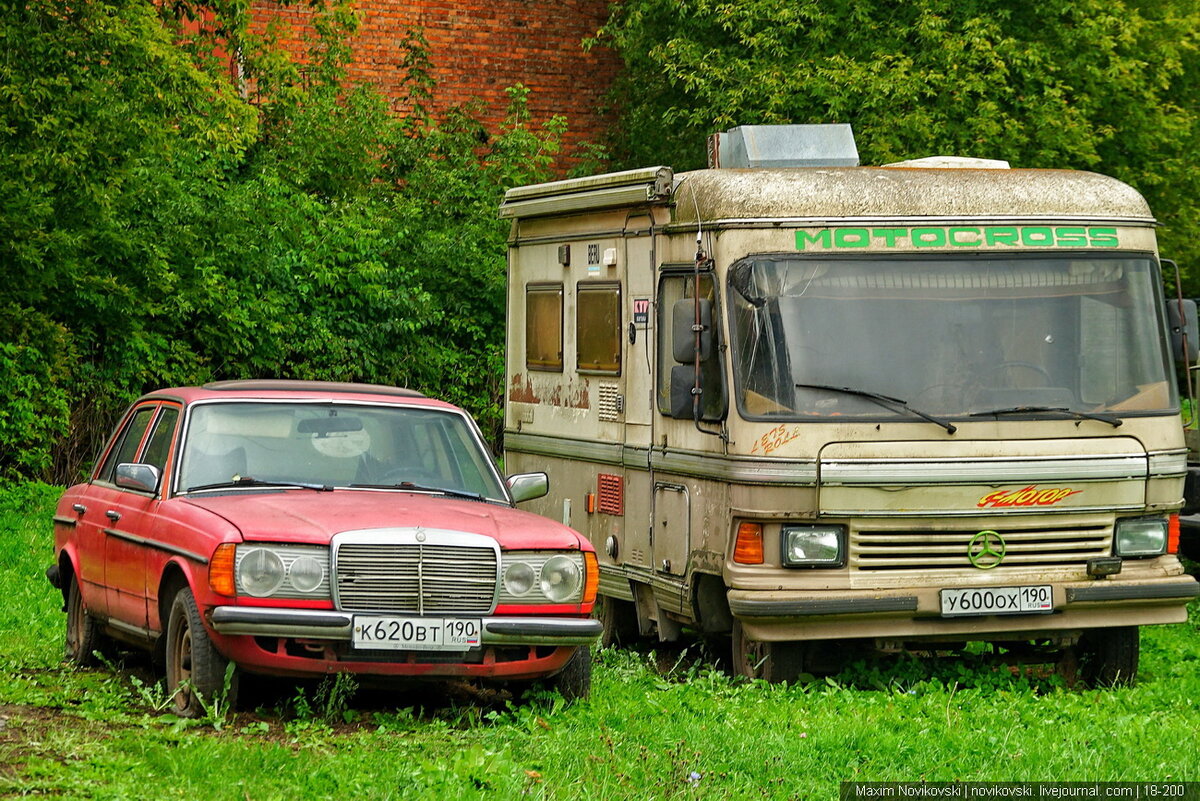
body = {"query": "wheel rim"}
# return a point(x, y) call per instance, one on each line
point(180, 663)
point(74, 621)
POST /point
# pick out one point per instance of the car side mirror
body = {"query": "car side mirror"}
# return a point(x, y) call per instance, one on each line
point(527, 486)
point(141, 477)
point(1185, 336)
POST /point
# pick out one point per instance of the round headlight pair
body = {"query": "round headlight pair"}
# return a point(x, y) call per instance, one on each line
point(559, 579)
point(261, 572)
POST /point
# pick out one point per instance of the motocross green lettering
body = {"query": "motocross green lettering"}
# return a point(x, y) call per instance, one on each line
point(965, 237)
point(1103, 237)
point(821, 238)
point(1000, 236)
point(890, 235)
point(1037, 237)
point(929, 237)
point(1070, 237)
point(851, 238)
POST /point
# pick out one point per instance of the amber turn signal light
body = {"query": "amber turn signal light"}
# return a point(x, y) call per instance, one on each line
point(748, 548)
point(220, 570)
point(591, 582)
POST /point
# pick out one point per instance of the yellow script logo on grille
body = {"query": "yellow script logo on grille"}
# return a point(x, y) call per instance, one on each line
point(1030, 496)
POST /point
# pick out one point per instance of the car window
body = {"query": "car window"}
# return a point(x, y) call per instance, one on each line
point(160, 441)
point(127, 442)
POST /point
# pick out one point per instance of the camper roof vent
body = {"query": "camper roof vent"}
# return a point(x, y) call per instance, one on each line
point(953, 162)
point(783, 146)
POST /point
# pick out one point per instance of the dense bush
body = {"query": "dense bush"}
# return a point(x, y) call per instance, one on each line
point(1106, 85)
point(162, 225)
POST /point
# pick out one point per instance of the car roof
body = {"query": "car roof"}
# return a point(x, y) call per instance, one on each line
point(285, 389)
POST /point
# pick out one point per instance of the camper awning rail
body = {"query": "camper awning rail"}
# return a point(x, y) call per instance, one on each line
point(594, 192)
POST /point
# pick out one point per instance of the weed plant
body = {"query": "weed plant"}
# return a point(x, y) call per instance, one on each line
point(661, 723)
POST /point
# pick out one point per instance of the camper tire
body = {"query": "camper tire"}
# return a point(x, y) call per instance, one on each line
point(619, 619)
point(772, 661)
point(1109, 657)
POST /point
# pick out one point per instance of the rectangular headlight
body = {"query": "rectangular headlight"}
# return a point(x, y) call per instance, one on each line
point(1141, 536)
point(813, 546)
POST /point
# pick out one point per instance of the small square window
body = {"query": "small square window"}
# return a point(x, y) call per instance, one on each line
point(598, 328)
point(543, 327)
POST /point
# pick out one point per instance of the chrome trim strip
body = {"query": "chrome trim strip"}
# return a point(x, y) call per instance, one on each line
point(1168, 464)
point(1126, 592)
point(982, 471)
point(130, 628)
point(156, 545)
point(821, 606)
point(959, 512)
point(585, 450)
point(541, 631)
point(741, 469)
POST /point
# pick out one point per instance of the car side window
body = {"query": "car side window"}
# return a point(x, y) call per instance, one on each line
point(160, 441)
point(128, 442)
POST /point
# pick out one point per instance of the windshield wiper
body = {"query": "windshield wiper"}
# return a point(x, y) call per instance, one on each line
point(887, 401)
point(247, 481)
point(408, 485)
point(1115, 422)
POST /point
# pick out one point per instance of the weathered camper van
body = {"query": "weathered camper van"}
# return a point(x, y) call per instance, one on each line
point(814, 405)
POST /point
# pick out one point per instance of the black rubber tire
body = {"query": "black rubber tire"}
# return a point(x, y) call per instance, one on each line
point(619, 619)
point(83, 635)
point(574, 681)
point(195, 667)
point(1109, 657)
point(772, 661)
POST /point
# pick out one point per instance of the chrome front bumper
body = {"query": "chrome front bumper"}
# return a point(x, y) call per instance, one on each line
point(322, 624)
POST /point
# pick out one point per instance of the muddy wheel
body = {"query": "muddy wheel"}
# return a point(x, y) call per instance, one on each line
point(619, 619)
point(772, 661)
point(83, 635)
point(1109, 657)
point(574, 681)
point(195, 669)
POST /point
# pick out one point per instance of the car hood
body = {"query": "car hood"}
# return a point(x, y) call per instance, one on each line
point(305, 516)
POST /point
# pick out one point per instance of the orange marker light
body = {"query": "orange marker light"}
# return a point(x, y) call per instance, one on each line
point(748, 548)
point(1173, 534)
point(591, 580)
point(220, 570)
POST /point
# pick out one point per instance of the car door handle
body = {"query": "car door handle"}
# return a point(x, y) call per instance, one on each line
point(79, 508)
point(113, 515)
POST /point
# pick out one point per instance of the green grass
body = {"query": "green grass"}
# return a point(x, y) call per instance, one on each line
point(658, 725)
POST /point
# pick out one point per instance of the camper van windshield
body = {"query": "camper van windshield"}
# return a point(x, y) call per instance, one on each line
point(951, 337)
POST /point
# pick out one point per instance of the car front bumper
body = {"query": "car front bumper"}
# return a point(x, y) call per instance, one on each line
point(334, 625)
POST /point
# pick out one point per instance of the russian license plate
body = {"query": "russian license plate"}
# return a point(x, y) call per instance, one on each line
point(998, 601)
point(416, 633)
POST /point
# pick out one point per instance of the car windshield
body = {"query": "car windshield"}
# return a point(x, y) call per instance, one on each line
point(950, 337)
point(334, 445)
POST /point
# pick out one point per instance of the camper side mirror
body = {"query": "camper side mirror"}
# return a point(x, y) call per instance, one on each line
point(683, 337)
point(1185, 336)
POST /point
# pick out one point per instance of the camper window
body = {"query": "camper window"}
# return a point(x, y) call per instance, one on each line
point(598, 328)
point(543, 327)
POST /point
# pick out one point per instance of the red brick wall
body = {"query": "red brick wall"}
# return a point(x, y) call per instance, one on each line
point(480, 47)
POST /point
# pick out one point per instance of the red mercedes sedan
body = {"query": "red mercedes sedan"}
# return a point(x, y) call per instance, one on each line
point(300, 528)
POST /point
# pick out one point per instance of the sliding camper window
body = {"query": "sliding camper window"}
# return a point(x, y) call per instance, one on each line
point(675, 288)
point(543, 327)
point(598, 328)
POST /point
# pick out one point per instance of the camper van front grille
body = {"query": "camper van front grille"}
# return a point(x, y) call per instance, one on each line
point(926, 550)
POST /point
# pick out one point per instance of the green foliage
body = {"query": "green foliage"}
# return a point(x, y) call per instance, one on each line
point(159, 228)
point(1085, 84)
